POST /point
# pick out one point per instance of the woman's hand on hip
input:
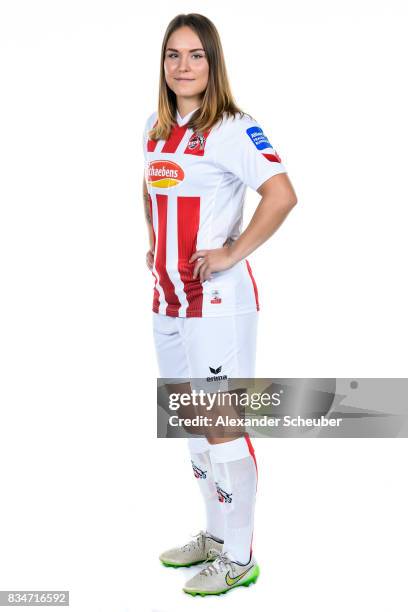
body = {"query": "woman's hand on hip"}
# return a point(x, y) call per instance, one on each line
point(211, 260)
point(150, 259)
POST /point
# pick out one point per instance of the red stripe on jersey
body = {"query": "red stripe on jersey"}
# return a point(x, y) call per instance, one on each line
point(176, 136)
point(196, 144)
point(273, 157)
point(151, 144)
point(156, 295)
point(173, 303)
point(151, 217)
point(188, 221)
point(254, 284)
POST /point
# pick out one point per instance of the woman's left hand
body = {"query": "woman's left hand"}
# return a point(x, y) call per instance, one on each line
point(211, 260)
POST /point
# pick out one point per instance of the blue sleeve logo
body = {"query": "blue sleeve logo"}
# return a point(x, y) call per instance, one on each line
point(258, 138)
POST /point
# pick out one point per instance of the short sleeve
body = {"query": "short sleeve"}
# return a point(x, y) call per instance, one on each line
point(245, 150)
point(147, 127)
point(144, 141)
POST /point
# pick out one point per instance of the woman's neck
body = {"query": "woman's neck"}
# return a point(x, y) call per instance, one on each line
point(185, 107)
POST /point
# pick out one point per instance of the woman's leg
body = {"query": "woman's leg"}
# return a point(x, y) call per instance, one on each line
point(203, 472)
point(173, 365)
point(229, 342)
point(235, 473)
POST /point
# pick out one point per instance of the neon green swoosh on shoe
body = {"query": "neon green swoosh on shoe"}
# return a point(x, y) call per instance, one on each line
point(231, 581)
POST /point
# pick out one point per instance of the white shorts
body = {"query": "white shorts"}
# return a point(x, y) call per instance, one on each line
point(206, 347)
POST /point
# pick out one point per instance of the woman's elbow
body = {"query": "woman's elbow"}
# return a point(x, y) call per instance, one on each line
point(288, 199)
point(291, 197)
point(292, 201)
point(280, 189)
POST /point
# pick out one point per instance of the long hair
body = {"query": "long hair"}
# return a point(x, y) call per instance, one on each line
point(217, 98)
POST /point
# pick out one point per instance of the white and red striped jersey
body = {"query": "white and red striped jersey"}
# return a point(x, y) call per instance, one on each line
point(197, 186)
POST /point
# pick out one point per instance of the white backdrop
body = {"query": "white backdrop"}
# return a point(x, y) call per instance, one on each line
point(89, 496)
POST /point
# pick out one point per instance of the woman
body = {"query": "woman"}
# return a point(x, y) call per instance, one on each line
point(201, 151)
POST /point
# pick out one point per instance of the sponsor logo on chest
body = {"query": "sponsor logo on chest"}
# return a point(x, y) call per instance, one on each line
point(164, 173)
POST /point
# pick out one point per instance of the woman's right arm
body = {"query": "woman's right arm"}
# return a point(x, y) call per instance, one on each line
point(149, 222)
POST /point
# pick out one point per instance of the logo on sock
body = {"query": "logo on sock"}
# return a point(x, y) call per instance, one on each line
point(198, 472)
point(216, 371)
point(223, 496)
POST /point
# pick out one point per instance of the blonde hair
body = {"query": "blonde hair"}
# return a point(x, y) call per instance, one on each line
point(217, 98)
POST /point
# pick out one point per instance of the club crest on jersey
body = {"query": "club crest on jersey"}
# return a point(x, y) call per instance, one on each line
point(164, 173)
point(197, 141)
point(196, 144)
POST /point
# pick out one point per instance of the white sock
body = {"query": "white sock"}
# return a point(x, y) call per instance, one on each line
point(235, 474)
point(202, 468)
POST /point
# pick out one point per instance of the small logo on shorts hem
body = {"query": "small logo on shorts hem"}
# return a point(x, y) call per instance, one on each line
point(215, 297)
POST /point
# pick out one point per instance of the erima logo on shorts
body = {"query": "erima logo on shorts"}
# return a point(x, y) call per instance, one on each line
point(216, 371)
point(258, 138)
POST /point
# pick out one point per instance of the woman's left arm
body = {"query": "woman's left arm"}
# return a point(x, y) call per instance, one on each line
point(277, 200)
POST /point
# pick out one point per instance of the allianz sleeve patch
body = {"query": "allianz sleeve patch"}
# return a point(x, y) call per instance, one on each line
point(258, 138)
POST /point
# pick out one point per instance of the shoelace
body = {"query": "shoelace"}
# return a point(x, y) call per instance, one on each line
point(220, 561)
point(197, 542)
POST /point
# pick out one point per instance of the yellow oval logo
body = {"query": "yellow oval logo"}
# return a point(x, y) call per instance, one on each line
point(164, 173)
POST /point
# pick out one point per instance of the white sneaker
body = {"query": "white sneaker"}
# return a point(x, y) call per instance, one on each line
point(195, 551)
point(222, 575)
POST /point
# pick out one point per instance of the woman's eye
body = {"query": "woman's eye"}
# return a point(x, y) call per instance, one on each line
point(175, 55)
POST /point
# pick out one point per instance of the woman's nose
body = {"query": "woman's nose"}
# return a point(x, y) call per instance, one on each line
point(184, 63)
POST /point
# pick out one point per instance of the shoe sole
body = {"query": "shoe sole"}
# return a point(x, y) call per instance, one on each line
point(251, 580)
point(170, 564)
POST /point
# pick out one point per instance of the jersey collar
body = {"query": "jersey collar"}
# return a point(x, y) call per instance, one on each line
point(185, 119)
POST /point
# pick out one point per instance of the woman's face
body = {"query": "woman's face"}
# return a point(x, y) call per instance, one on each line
point(185, 64)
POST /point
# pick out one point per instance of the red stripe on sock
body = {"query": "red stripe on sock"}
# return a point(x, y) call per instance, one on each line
point(188, 221)
point(252, 453)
